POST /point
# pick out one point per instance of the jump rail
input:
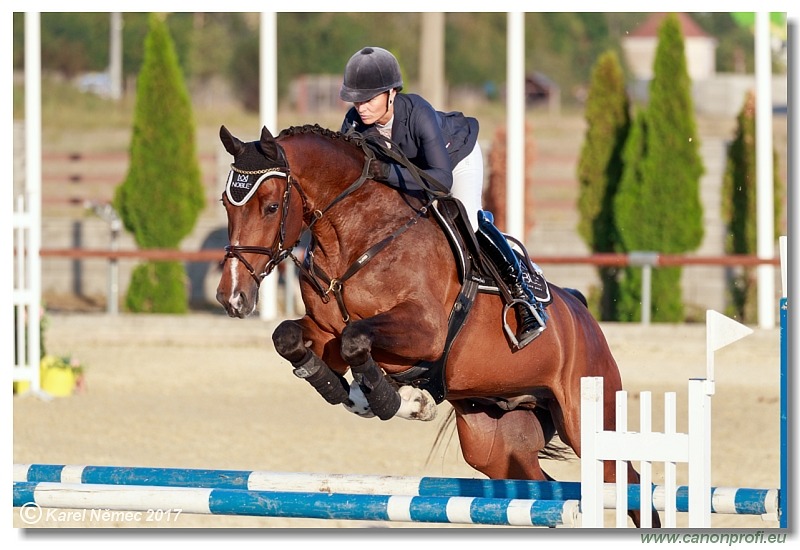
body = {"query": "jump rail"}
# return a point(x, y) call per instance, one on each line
point(195, 500)
point(724, 500)
point(451, 500)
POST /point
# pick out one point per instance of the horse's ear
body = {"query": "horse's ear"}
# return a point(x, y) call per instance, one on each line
point(232, 144)
point(268, 144)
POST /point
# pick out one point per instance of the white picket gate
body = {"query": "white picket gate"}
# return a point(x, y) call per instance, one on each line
point(670, 448)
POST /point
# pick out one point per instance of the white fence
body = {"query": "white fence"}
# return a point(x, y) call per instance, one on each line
point(645, 446)
point(26, 296)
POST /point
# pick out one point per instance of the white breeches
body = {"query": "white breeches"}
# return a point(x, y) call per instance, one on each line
point(468, 184)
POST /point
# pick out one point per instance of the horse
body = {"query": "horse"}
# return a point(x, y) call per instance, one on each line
point(379, 281)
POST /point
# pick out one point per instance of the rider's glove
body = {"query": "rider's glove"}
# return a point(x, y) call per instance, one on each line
point(379, 171)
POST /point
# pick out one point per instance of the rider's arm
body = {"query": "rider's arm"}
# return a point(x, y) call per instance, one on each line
point(432, 156)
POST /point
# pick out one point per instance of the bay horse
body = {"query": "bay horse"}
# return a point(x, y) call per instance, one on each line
point(392, 273)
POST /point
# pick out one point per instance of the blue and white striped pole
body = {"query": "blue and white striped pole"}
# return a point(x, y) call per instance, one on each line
point(195, 500)
point(724, 500)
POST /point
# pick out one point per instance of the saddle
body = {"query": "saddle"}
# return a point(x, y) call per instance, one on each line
point(472, 261)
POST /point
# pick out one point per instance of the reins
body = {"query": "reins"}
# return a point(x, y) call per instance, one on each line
point(370, 156)
point(432, 187)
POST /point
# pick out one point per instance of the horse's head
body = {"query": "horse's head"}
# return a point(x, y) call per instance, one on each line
point(264, 218)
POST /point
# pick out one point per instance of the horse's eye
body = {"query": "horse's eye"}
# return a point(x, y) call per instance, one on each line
point(271, 208)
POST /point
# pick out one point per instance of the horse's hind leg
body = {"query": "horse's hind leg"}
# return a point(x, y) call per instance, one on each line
point(566, 413)
point(500, 444)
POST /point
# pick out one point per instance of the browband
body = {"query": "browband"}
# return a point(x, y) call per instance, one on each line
point(241, 187)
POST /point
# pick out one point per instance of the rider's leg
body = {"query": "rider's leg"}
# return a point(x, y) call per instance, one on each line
point(468, 188)
point(468, 184)
point(494, 243)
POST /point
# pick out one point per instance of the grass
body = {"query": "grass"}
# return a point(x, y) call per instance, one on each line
point(70, 117)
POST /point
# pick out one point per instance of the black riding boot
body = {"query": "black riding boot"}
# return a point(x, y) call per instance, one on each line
point(494, 243)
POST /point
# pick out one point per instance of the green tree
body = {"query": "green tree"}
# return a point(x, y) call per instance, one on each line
point(162, 196)
point(600, 169)
point(657, 207)
point(739, 210)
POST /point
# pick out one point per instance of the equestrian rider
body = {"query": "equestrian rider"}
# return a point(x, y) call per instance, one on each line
point(444, 145)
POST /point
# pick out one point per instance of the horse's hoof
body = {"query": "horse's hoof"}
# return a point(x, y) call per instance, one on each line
point(357, 404)
point(416, 404)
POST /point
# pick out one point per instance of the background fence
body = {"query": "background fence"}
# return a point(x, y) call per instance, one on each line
point(210, 257)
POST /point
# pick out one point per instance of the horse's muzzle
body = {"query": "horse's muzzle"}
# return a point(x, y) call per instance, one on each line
point(237, 303)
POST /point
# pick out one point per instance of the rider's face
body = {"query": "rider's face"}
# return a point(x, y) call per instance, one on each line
point(378, 109)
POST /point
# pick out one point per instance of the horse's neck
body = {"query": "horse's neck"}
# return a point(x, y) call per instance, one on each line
point(351, 224)
point(323, 166)
point(358, 222)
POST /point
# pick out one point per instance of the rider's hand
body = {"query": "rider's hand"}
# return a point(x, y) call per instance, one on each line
point(379, 171)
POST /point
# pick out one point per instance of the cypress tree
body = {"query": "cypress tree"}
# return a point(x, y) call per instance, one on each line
point(600, 169)
point(162, 196)
point(739, 210)
point(658, 205)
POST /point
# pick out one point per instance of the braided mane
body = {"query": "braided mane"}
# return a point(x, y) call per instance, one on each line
point(320, 131)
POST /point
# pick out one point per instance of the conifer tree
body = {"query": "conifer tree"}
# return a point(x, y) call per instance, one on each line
point(739, 210)
point(600, 168)
point(162, 196)
point(658, 206)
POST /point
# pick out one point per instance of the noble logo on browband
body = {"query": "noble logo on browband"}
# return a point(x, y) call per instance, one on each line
point(243, 184)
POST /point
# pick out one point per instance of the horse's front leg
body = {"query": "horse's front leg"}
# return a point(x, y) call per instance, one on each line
point(290, 343)
point(388, 331)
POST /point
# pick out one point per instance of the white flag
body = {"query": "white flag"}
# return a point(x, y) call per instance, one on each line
point(722, 330)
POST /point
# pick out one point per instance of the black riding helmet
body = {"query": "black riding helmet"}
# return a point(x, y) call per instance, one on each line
point(369, 72)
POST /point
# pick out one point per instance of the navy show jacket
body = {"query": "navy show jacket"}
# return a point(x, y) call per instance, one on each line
point(432, 140)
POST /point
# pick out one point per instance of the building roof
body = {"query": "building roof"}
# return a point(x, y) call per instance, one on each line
point(649, 29)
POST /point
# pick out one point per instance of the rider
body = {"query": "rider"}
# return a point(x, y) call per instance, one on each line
point(444, 145)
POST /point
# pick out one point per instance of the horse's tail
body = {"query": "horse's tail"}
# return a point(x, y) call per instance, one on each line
point(447, 422)
point(555, 449)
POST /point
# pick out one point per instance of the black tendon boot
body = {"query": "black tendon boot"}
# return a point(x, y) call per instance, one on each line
point(494, 243)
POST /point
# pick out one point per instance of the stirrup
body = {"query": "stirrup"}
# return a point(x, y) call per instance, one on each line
point(532, 335)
